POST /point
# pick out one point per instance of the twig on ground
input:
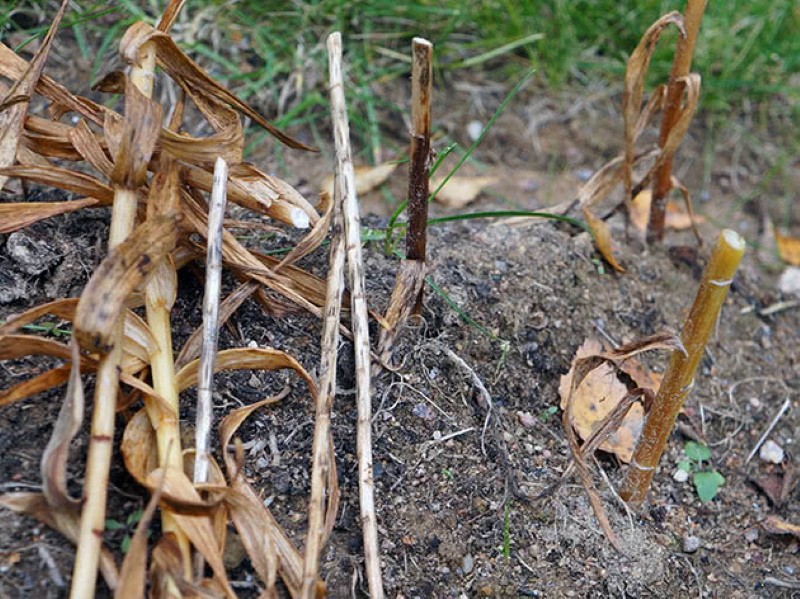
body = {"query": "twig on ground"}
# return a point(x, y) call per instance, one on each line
point(321, 459)
point(784, 408)
point(486, 399)
point(346, 176)
point(208, 352)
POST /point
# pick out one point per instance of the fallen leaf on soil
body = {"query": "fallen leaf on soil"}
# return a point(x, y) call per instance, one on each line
point(460, 191)
point(602, 239)
point(788, 248)
point(778, 526)
point(367, 178)
point(639, 210)
point(599, 393)
point(18, 215)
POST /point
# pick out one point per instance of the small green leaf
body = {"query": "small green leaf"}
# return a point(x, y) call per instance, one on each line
point(707, 484)
point(114, 525)
point(685, 465)
point(547, 413)
point(696, 451)
point(134, 517)
point(125, 546)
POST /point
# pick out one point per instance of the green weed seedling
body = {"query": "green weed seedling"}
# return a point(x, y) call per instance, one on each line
point(706, 480)
point(129, 526)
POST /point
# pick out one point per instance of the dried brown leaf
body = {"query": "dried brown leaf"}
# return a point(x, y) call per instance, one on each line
point(62, 178)
point(15, 104)
point(18, 215)
point(459, 190)
point(56, 453)
point(314, 238)
point(635, 74)
point(788, 248)
point(367, 178)
point(602, 239)
point(778, 526)
point(90, 148)
point(125, 268)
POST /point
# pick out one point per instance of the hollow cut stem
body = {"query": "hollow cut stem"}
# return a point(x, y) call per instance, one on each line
point(679, 378)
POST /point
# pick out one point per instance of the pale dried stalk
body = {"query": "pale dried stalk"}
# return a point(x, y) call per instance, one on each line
point(98, 462)
point(324, 400)
point(346, 182)
point(210, 321)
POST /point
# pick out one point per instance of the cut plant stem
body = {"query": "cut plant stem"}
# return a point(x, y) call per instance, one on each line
point(419, 154)
point(346, 177)
point(679, 378)
point(216, 215)
point(682, 62)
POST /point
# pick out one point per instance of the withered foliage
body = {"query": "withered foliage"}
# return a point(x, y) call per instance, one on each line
point(98, 154)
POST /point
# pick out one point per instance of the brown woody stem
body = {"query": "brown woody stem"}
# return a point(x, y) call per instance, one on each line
point(679, 378)
point(682, 62)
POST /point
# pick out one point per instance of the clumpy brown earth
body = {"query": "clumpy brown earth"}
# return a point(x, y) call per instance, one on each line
point(457, 477)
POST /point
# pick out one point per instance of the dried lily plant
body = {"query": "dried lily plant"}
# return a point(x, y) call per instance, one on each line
point(679, 101)
point(156, 179)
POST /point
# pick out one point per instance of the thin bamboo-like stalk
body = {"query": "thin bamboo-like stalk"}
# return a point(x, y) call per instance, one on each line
point(344, 171)
point(681, 64)
point(98, 463)
point(324, 400)
point(210, 322)
point(679, 378)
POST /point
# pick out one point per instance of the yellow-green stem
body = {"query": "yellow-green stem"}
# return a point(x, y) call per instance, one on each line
point(679, 378)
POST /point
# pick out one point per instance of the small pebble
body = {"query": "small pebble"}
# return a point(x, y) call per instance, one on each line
point(754, 402)
point(526, 419)
point(751, 535)
point(254, 382)
point(771, 452)
point(468, 563)
point(789, 283)
point(437, 435)
point(691, 544)
point(474, 129)
point(252, 344)
point(680, 476)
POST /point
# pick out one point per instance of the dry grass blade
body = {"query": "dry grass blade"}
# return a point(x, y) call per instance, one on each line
point(56, 454)
point(87, 144)
point(66, 521)
point(210, 322)
point(133, 574)
point(321, 456)
point(346, 181)
point(62, 178)
point(124, 269)
point(12, 114)
point(260, 358)
point(635, 74)
point(36, 384)
point(314, 238)
point(19, 215)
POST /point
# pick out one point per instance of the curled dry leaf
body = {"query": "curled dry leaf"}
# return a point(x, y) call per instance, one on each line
point(63, 178)
point(602, 239)
point(597, 395)
point(367, 178)
point(460, 191)
point(125, 268)
point(635, 74)
point(12, 115)
point(677, 216)
point(56, 453)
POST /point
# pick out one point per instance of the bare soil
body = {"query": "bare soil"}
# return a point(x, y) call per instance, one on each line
point(457, 479)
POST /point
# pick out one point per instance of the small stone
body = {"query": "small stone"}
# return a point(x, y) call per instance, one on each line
point(789, 283)
point(771, 452)
point(691, 544)
point(254, 382)
point(33, 253)
point(437, 435)
point(468, 563)
point(751, 535)
point(754, 402)
point(252, 344)
point(680, 476)
point(474, 129)
point(526, 419)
